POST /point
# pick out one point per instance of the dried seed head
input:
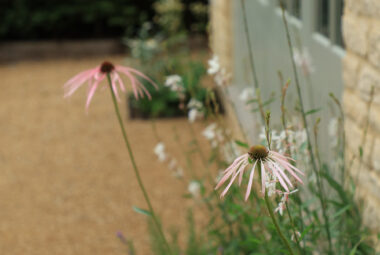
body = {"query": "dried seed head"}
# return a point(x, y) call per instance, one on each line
point(106, 67)
point(258, 152)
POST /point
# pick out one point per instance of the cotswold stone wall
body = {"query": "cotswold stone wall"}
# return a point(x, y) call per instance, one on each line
point(221, 34)
point(361, 71)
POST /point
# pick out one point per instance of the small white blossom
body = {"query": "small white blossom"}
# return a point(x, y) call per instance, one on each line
point(214, 66)
point(303, 60)
point(172, 164)
point(194, 188)
point(293, 237)
point(282, 205)
point(178, 173)
point(247, 94)
point(174, 82)
point(194, 103)
point(159, 150)
point(333, 132)
point(209, 131)
point(195, 110)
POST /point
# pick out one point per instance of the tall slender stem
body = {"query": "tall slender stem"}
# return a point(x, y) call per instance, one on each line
point(136, 170)
point(309, 145)
point(270, 210)
point(251, 60)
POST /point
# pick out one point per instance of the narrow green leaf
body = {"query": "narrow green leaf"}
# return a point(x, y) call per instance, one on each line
point(305, 231)
point(342, 210)
point(242, 144)
point(312, 111)
point(142, 211)
point(353, 251)
point(361, 152)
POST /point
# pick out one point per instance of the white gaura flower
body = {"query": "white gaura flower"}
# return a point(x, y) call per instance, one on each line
point(195, 110)
point(178, 173)
point(303, 60)
point(213, 65)
point(174, 82)
point(247, 94)
point(213, 134)
point(267, 161)
point(194, 114)
point(282, 205)
point(172, 164)
point(333, 131)
point(298, 234)
point(209, 131)
point(159, 150)
point(194, 188)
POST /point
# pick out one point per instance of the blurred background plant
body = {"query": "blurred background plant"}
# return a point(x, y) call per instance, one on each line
point(163, 49)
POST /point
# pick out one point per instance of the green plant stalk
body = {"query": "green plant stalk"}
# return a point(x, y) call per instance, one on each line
point(283, 120)
point(251, 60)
point(309, 145)
point(270, 210)
point(294, 229)
point(135, 168)
point(343, 145)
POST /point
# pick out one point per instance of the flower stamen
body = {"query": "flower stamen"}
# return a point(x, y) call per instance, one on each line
point(258, 152)
point(106, 67)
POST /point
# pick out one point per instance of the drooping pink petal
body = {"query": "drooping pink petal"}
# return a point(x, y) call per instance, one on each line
point(285, 163)
point(114, 87)
point(120, 81)
point(279, 155)
point(263, 177)
point(244, 165)
point(283, 184)
point(236, 161)
point(132, 80)
point(291, 172)
point(249, 188)
point(132, 70)
point(279, 170)
point(229, 185)
point(73, 84)
point(91, 92)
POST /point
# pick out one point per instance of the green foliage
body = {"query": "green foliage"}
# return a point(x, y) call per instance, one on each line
point(166, 103)
point(23, 19)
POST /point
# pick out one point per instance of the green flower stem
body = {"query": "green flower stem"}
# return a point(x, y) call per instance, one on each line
point(294, 229)
point(309, 145)
point(251, 61)
point(137, 173)
point(270, 210)
point(275, 223)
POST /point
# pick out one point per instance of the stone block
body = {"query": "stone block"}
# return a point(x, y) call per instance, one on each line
point(355, 33)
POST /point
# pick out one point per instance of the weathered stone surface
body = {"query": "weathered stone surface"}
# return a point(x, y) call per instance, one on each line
point(368, 8)
point(355, 107)
point(369, 77)
point(374, 43)
point(351, 67)
point(355, 140)
point(355, 30)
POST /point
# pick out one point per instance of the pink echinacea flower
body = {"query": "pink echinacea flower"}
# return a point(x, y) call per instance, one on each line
point(273, 166)
point(96, 75)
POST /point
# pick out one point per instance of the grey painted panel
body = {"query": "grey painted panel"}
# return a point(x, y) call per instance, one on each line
point(271, 55)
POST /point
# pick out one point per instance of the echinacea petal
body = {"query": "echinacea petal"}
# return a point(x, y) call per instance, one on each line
point(285, 163)
point(279, 170)
point(279, 177)
point(249, 188)
point(138, 73)
point(263, 177)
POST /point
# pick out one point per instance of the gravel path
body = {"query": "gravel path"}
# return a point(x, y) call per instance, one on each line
point(66, 182)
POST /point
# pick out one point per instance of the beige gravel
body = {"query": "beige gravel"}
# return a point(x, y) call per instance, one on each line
point(66, 182)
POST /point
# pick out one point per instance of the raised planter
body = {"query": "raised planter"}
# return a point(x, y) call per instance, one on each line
point(173, 110)
point(31, 50)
